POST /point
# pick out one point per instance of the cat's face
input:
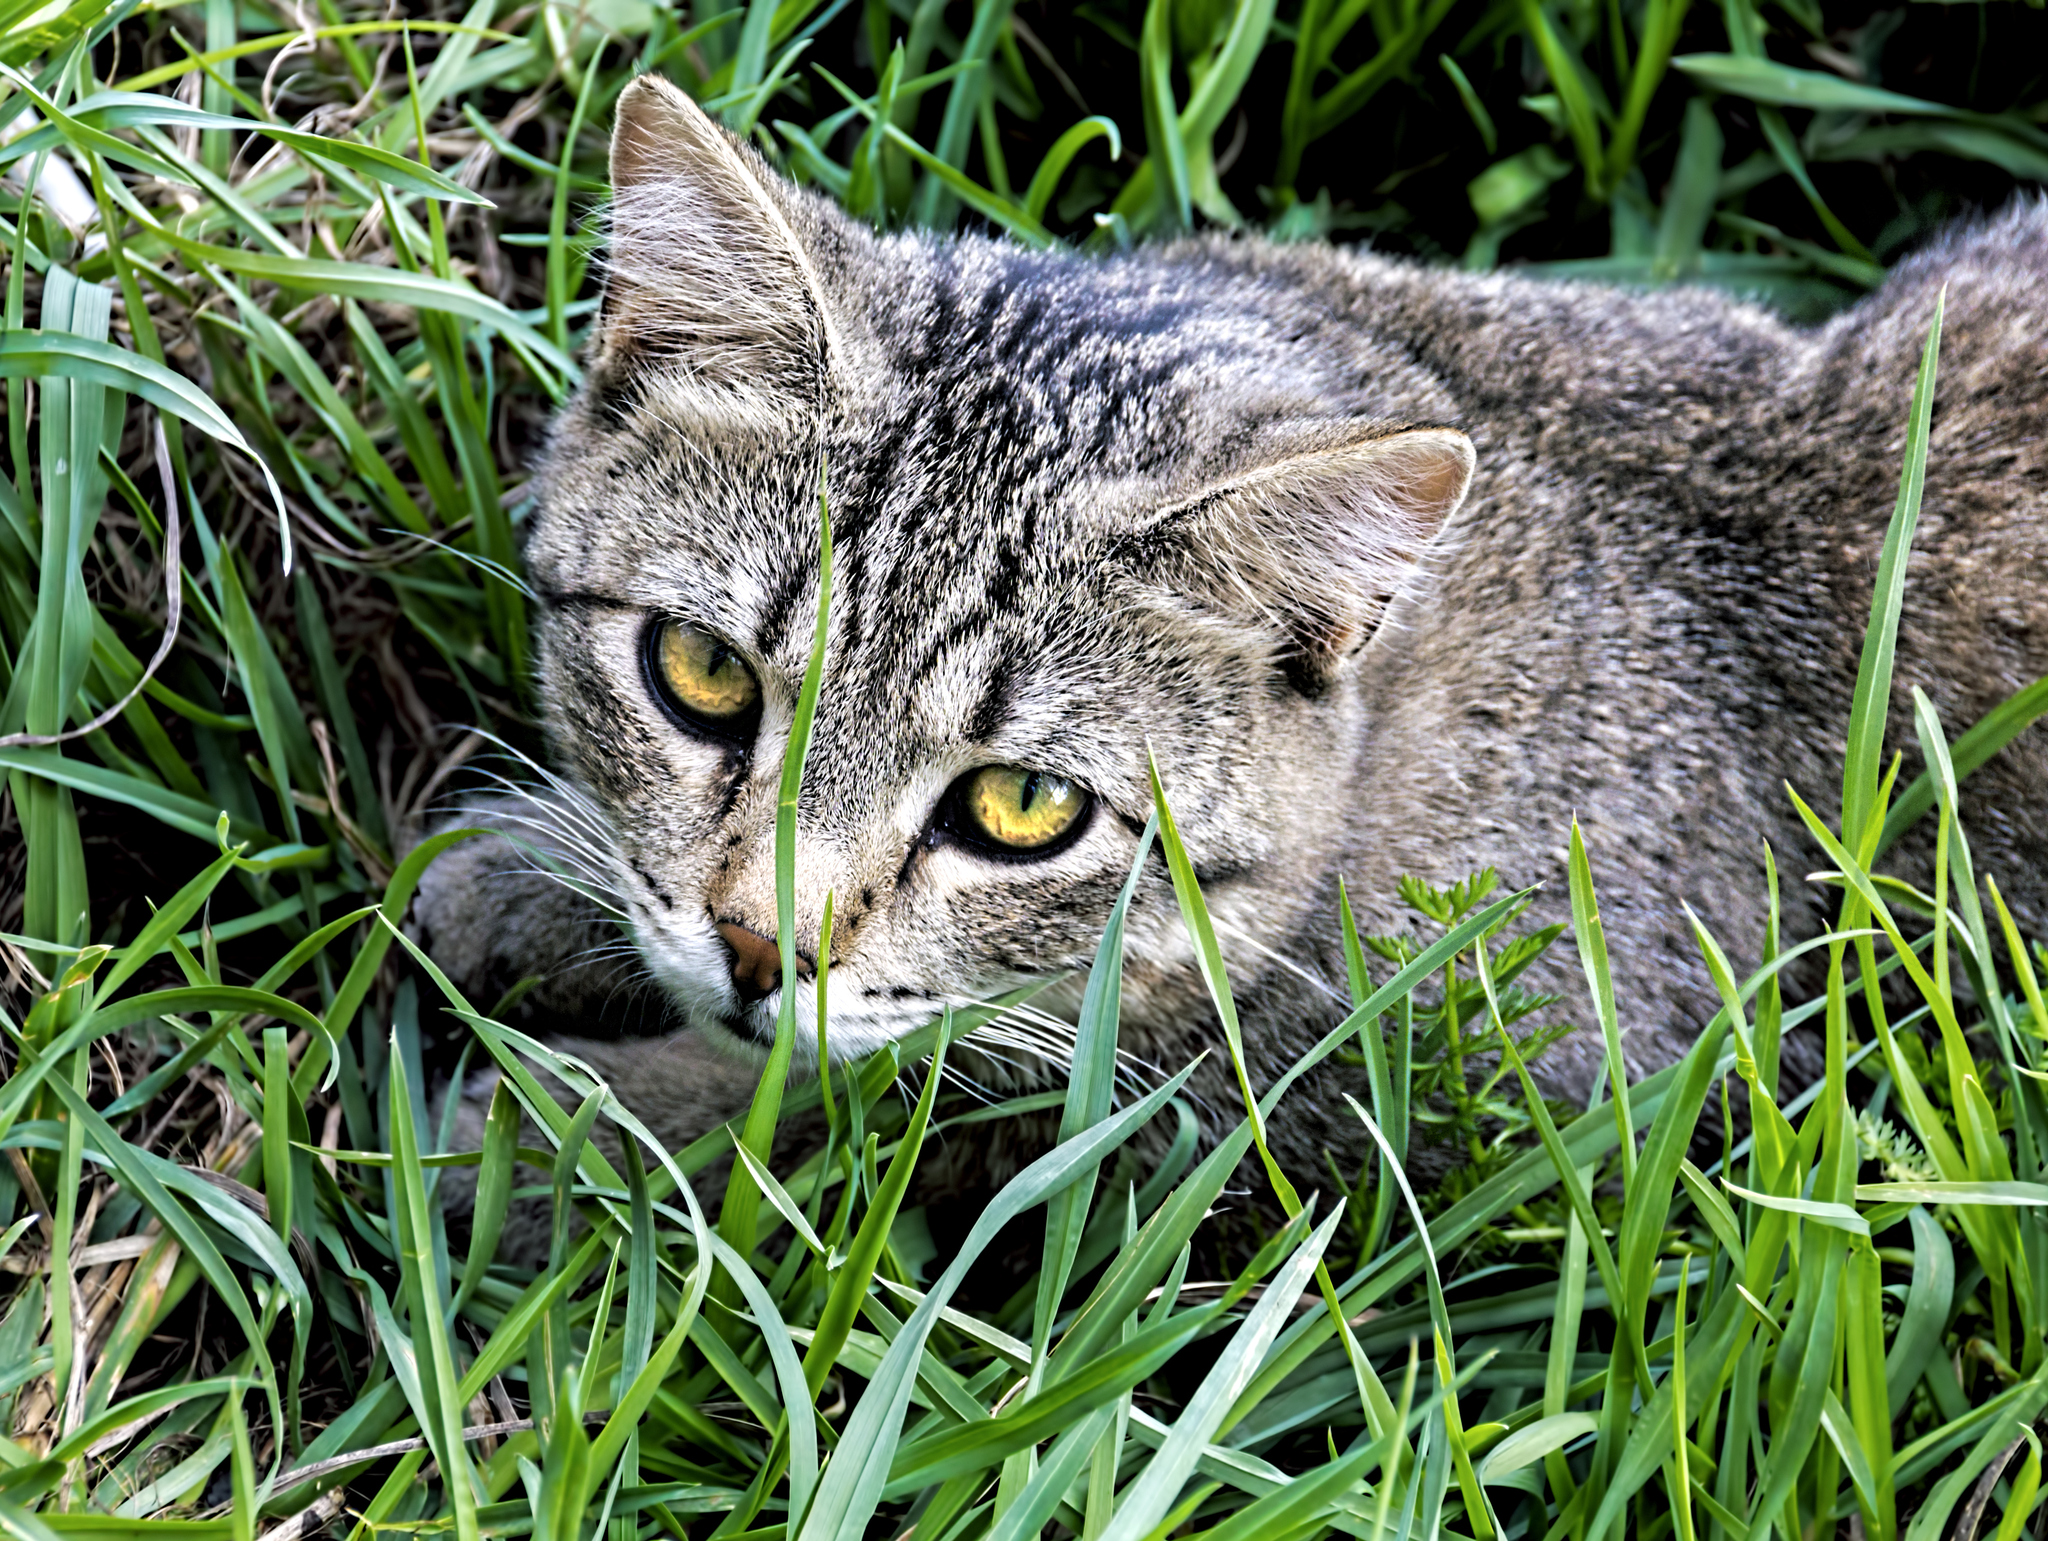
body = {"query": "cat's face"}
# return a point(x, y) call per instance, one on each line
point(1078, 509)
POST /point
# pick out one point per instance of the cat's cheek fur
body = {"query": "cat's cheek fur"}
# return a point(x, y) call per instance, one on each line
point(986, 925)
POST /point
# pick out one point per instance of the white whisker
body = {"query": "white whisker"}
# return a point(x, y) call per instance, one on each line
point(1315, 981)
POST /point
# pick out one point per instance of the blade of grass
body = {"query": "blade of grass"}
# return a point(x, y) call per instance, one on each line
point(742, 1195)
point(1992, 732)
point(440, 1409)
point(1145, 1502)
point(1090, 1087)
point(854, 1478)
point(1871, 702)
point(1591, 936)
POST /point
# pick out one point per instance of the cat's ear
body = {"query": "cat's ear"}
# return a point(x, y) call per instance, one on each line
point(1312, 547)
point(705, 273)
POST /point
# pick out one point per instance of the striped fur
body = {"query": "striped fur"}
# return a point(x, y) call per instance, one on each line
point(1218, 499)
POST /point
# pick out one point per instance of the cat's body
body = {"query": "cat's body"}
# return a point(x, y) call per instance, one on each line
point(1084, 505)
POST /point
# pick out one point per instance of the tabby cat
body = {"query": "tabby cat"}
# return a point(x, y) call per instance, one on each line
point(1394, 569)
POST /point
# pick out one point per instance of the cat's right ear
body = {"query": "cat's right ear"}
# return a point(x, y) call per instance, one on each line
point(706, 279)
point(1310, 548)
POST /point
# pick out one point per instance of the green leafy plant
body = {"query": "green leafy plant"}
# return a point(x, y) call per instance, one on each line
point(1435, 1073)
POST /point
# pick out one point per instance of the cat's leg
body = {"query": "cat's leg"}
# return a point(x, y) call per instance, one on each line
point(519, 906)
point(679, 1087)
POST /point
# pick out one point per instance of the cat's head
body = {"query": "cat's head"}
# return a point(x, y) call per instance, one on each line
point(1078, 506)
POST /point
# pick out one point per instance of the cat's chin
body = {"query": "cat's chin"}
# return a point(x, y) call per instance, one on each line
point(749, 1033)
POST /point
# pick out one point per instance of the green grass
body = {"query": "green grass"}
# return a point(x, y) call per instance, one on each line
point(325, 277)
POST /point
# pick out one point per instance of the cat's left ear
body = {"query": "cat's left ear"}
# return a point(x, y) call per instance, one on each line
point(1312, 547)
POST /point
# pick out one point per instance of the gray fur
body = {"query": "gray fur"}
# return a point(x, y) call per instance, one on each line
point(1210, 498)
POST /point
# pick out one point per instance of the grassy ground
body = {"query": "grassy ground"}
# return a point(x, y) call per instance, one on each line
point(314, 273)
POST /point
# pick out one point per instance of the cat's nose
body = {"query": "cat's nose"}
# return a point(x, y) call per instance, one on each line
point(756, 961)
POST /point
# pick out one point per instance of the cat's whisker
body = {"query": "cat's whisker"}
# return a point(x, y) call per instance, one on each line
point(1314, 981)
point(549, 814)
point(1019, 1026)
point(594, 876)
point(958, 1078)
point(603, 899)
point(603, 952)
point(570, 796)
point(1016, 1028)
point(566, 836)
point(1053, 1038)
point(561, 813)
point(635, 987)
point(1035, 1056)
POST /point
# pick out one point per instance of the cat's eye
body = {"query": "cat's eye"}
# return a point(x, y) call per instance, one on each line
point(1020, 811)
point(702, 680)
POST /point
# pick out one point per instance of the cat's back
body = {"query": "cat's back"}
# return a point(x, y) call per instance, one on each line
point(1668, 383)
point(1594, 376)
point(1975, 624)
point(1993, 272)
point(1987, 474)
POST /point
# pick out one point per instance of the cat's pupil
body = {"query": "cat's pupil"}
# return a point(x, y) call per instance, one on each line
point(1029, 795)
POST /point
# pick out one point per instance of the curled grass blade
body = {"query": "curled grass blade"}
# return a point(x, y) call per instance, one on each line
point(1046, 180)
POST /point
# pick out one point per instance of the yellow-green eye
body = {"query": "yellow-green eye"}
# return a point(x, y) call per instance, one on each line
point(1018, 809)
point(702, 678)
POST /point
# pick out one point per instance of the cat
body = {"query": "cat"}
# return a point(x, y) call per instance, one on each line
point(1394, 569)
